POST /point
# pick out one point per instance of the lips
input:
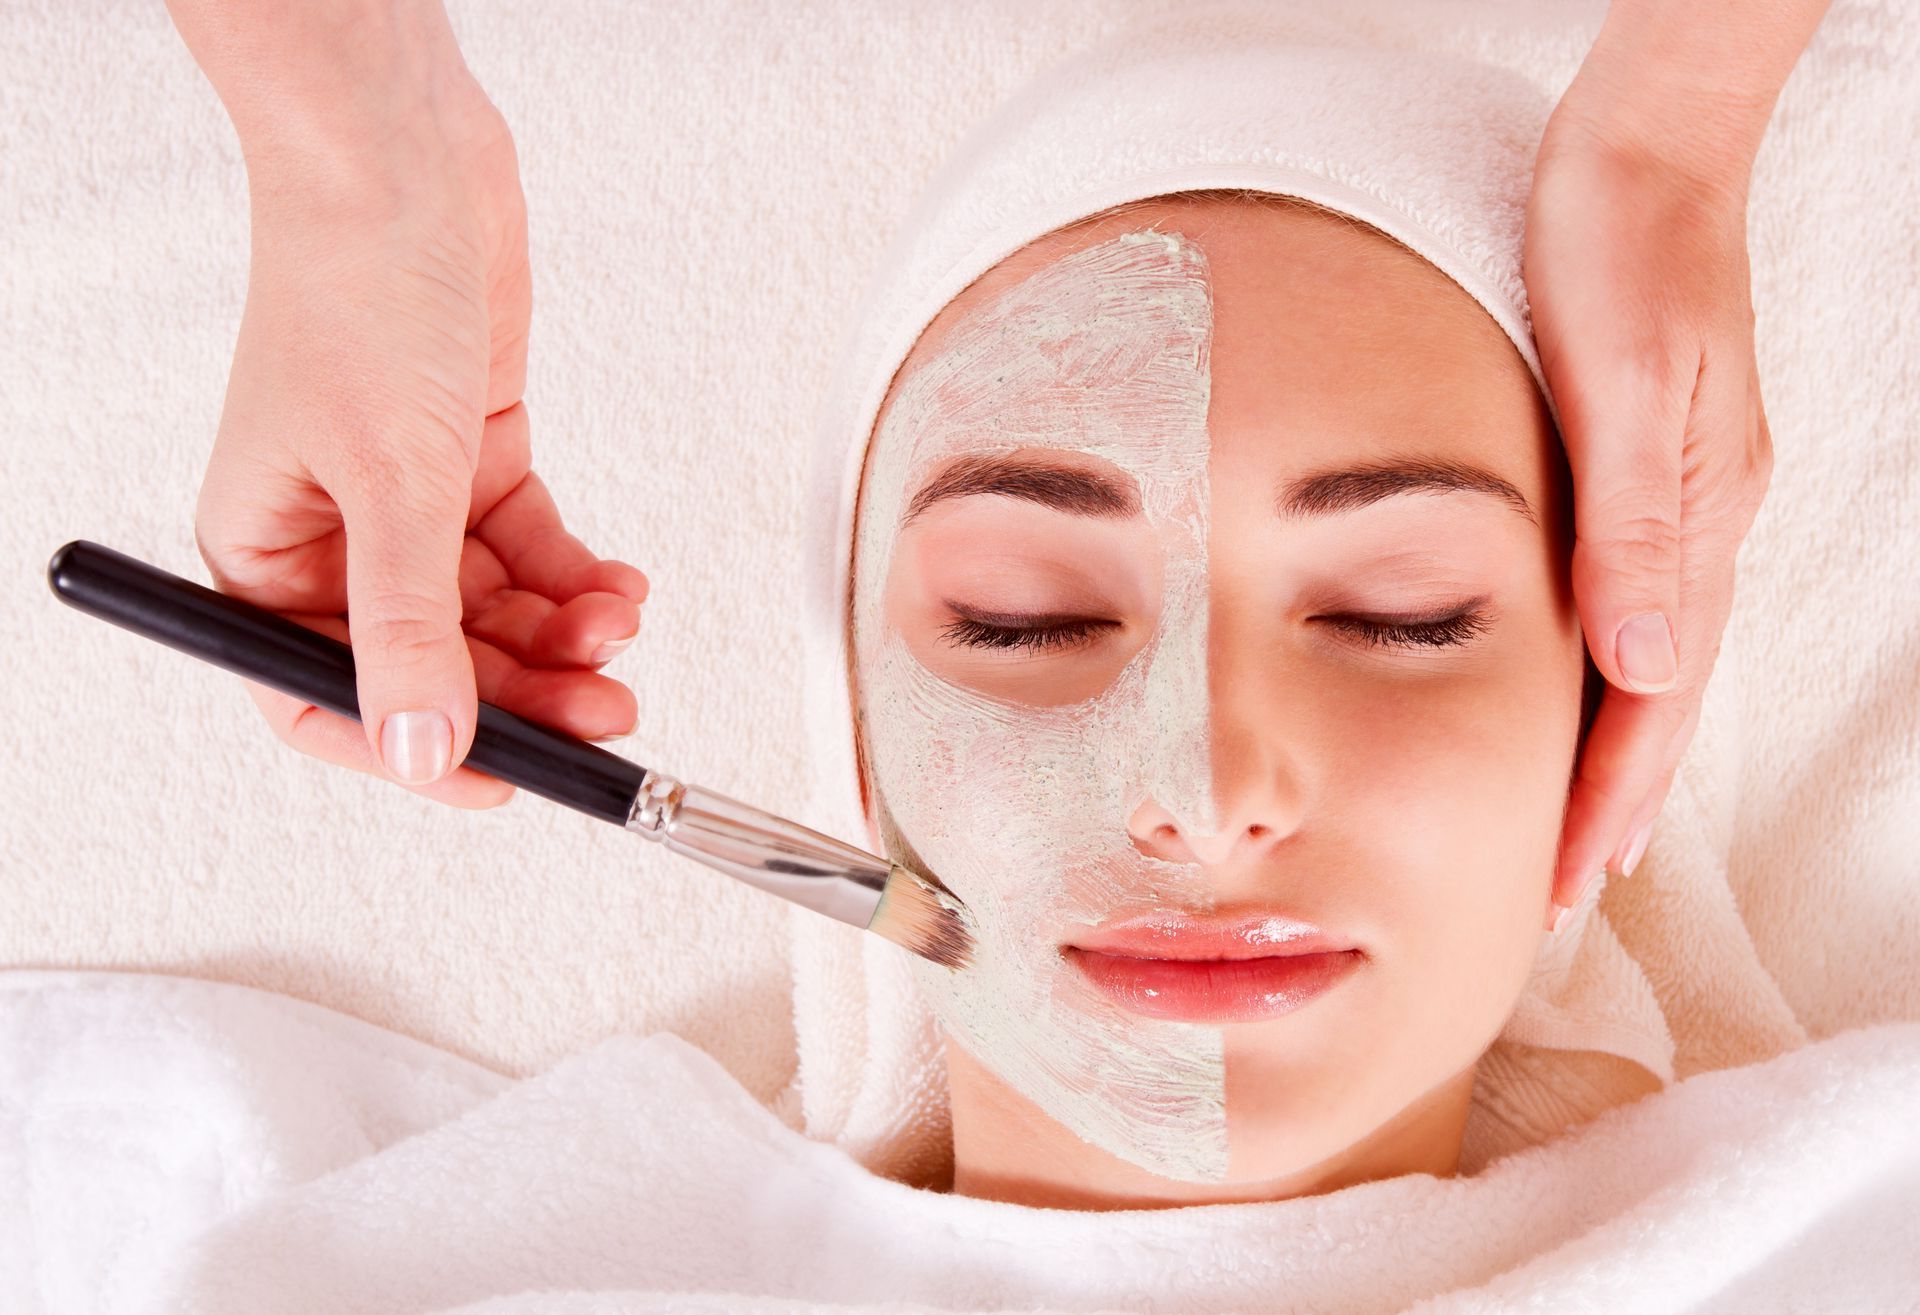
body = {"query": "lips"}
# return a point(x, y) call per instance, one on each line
point(1212, 968)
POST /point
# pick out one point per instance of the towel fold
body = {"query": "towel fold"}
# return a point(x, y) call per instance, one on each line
point(190, 1147)
point(702, 198)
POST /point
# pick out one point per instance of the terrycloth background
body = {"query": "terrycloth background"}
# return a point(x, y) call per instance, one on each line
point(708, 187)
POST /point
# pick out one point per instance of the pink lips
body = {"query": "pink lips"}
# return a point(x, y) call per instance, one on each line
point(1209, 968)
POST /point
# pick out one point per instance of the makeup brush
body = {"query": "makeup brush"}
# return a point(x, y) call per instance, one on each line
point(908, 908)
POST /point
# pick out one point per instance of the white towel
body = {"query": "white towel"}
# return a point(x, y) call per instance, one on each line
point(708, 186)
point(190, 1148)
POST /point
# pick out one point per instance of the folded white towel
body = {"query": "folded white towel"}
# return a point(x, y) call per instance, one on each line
point(181, 1146)
point(707, 185)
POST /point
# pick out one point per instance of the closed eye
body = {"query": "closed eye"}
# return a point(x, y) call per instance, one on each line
point(1034, 633)
point(1456, 628)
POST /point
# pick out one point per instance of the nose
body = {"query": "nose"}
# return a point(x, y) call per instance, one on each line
point(1238, 797)
point(1226, 780)
point(1245, 833)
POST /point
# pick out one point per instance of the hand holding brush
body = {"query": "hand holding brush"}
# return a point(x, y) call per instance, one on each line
point(909, 908)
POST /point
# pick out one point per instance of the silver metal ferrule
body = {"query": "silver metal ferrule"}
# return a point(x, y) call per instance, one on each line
point(763, 850)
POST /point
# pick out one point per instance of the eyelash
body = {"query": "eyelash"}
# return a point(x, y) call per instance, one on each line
point(968, 632)
point(1441, 632)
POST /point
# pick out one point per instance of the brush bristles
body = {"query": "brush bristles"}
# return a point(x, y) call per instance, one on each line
point(920, 916)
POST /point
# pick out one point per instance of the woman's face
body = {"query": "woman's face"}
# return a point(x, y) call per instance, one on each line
point(1211, 562)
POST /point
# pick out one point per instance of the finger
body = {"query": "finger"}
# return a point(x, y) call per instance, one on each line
point(1625, 751)
point(1639, 829)
point(524, 532)
point(510, 620)
point(1718, 497)
point(1637, 741)
point(1759, 436)
point(483, 580)
point(341, 740)
point(588, 631)
point(262, 529)
point(405, 517)
point(1626, 860)
point(581, 703)
point(585, 631)
point(506, 455)
point(591, 628)
point(286, 551)
point(578, 702)
point(1625, 414)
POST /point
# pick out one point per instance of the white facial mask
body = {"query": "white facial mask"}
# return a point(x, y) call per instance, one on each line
point(1023, 811)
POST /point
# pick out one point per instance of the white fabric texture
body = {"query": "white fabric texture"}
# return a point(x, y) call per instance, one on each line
point(707, 185)
point(200, 1148)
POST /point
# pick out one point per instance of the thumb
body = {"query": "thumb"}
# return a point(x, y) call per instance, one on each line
point(1626, 453)
point(416, 686)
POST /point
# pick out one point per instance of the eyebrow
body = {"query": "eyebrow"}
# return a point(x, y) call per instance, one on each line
point(1070, 489)
point(1329, 492)
point(1081, 492)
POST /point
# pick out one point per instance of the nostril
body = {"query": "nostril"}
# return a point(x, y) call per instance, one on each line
point(1161, 841)
point(1258, 830)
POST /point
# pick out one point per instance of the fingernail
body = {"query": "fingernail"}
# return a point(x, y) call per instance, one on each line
point(1580, 891)
point(612, 646)
point(1644, 651)
point(1636, 846)
point(416, 746)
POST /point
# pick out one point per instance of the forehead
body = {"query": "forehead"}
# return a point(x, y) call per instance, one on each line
point(1327, 338)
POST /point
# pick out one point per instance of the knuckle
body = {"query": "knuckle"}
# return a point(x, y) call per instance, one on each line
point(281, 724)
point(1721, 512)
point(1634, 541)
point(298, 728)
point(402, 627)
point(1605, 788)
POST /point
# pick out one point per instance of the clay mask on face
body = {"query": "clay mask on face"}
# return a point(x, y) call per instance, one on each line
point(1022, 811)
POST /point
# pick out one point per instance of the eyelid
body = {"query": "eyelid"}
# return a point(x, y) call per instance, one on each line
point(1024, 620)
point(1442, 612)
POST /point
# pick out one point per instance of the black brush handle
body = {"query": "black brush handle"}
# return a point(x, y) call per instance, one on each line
point(272, 650)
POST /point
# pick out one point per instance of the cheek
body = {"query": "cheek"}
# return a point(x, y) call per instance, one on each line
point(1465, 775)
point(1473, 770)
point(1463, 794)
point(1475, 778)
